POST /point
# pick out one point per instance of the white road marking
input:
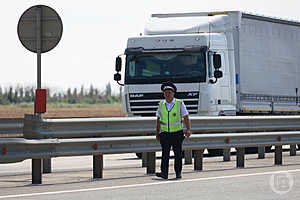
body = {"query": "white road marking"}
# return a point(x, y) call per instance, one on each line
point(145, 184)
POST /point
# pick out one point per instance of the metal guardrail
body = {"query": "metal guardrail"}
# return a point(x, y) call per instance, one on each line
point(21, 149)
point(36, 146)
point(11, 127)
point(99, 127)
point(17, 149)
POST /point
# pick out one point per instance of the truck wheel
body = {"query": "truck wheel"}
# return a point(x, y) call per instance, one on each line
point(139, 155)
point(215, 152)
point(268, 149)
point(253, 150)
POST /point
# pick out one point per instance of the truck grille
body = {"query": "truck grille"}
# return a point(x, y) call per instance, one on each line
point(145, 104)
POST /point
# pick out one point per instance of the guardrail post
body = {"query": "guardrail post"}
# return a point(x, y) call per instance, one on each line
point(32, 123)
point(226, 154)
point(36, 171)
point(278, 155)
point(293, 150)
point(240, 157)
point(97, 166)
point(144, 159)
point(261, 152)
point(151, 158)
point(188, 160)
point(198, 159)
point(30, 127)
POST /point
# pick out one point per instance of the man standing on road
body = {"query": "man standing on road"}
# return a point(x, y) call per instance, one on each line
point(169, 129)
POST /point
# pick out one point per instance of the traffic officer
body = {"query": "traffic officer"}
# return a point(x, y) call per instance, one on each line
point(169, 128)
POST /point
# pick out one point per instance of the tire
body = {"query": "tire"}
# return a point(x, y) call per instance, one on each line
point(215, 152)
point(139, 155)
point(268, 149)
point(251, 150)
point(254, 150)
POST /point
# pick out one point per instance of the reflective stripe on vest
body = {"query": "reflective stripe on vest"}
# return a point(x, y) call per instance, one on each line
point(170, 121)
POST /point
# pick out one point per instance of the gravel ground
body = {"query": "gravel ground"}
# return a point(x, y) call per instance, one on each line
point(64, 112)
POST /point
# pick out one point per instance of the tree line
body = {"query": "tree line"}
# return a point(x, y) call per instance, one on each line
point(91, 95)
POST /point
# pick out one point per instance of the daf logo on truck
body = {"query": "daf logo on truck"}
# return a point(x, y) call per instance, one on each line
point(136, 95)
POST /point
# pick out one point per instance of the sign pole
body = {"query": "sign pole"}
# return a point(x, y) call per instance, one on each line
point(39, 48)
point(39, 44)
point(46, 161)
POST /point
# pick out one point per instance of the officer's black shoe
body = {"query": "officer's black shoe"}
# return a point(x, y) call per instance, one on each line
point(178, 176)
point(161, 175)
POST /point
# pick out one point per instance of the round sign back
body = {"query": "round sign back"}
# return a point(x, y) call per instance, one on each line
point(42, 23)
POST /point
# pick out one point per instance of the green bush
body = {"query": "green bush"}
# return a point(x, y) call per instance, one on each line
point(24, 96)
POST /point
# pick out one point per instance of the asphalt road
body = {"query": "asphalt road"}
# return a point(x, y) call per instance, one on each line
point(124, 178)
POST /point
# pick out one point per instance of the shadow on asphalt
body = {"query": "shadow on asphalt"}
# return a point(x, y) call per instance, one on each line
point(207, 155)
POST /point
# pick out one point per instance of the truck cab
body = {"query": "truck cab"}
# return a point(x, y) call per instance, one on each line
point(191, 54)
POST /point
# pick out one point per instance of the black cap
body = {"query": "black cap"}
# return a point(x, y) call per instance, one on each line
point(168, 86)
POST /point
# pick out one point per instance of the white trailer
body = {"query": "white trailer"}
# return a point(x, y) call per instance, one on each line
point(259, 64)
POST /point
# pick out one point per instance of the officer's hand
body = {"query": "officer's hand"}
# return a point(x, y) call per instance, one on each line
point(187, 133)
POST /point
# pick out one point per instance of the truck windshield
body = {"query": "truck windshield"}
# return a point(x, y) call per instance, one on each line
point(158, 67)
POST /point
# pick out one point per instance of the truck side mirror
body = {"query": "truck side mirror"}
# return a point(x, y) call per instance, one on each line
point(218, 74)
point(118, 64)
point(117, 77)
point(217, 65)
point(217, 61)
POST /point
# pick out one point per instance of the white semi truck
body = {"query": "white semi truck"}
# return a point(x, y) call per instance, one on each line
point(223, 63)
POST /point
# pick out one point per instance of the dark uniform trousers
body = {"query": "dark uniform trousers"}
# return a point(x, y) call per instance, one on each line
point(174, 140)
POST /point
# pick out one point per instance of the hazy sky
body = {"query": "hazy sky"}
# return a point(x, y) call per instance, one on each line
point(95, 32)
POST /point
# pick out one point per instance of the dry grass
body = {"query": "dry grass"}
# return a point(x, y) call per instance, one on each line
point(65, 112)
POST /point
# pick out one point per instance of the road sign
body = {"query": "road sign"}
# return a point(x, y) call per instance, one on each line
point(39, 30)
point(42, 24)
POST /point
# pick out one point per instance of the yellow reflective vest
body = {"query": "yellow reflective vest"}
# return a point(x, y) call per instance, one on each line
point(170, 121)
